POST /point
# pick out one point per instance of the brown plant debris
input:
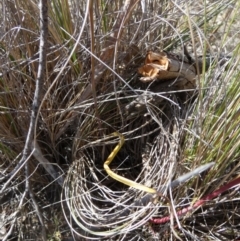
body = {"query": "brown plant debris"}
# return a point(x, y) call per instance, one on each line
point(168, 66)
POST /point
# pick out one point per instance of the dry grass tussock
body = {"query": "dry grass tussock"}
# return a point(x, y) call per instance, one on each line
point(91, 90)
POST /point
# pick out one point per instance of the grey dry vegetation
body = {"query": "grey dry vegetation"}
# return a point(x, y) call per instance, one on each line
point(57, 189)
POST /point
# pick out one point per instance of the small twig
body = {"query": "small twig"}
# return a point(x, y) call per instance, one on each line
point(43, 5)
point(39, 83)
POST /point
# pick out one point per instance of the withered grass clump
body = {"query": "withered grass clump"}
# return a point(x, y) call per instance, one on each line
point(92, 89)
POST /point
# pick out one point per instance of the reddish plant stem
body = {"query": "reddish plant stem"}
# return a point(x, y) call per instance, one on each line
point(199, 202)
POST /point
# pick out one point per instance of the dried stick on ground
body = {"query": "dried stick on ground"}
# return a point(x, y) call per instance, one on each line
point(36, 103)
point(40, 77)
point(35, 107)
